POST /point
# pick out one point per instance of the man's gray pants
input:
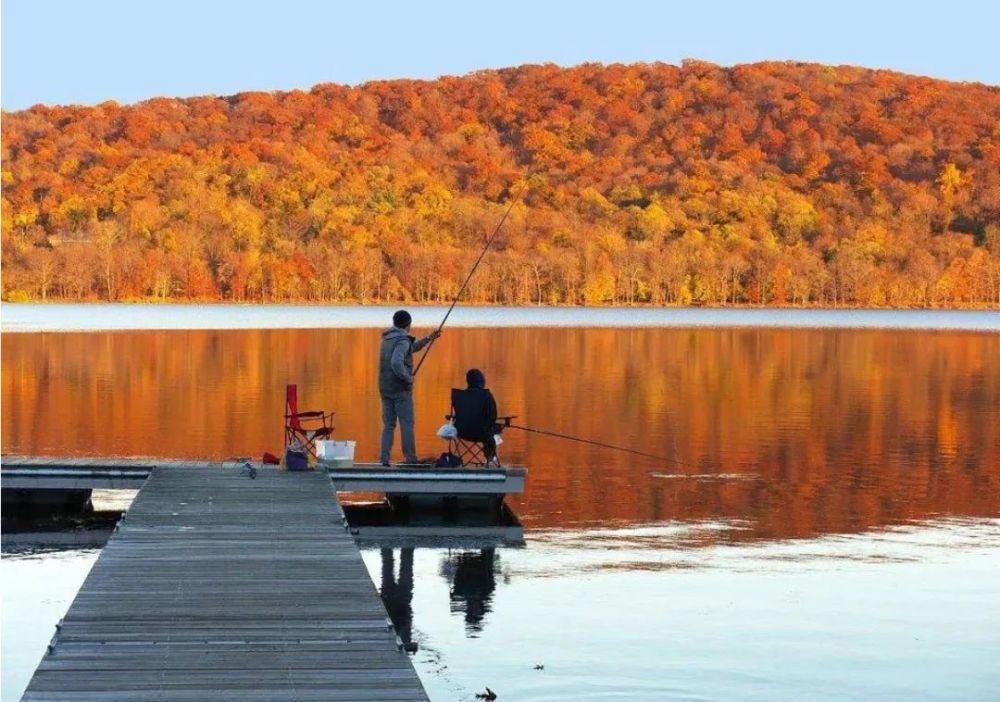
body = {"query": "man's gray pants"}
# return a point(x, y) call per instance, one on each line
point(398, 406)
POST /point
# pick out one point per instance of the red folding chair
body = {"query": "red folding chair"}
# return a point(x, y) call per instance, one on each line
point(305, 428)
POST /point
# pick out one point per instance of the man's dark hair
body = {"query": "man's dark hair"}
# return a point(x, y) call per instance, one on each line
point(401, 319)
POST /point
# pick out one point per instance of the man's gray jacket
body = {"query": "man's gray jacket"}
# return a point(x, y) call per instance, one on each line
point(395, 360)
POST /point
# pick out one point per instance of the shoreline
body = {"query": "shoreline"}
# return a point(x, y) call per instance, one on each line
point(487, 305)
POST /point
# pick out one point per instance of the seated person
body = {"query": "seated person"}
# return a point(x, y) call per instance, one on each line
point(476, 413)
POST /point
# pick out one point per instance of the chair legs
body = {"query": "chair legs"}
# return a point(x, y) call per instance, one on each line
point(471, 453)
point(305, 437)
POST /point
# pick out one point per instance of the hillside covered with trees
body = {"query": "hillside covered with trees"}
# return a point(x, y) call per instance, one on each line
point(772, 183)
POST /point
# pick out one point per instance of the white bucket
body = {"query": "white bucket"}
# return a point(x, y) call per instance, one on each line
point(339, 453)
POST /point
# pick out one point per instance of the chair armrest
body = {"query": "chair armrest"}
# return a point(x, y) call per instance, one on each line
point(507, 419)
point(308, 414)
point(449, 416)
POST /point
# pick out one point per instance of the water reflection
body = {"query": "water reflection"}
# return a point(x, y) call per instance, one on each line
point(840, 430)
point(656, 611)
point(39, 577)
point(397, 592)
point(469, 574)
point(472, 580)
point(686, 611)
point(38, 522)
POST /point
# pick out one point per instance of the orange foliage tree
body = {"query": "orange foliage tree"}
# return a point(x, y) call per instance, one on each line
point(771, 184)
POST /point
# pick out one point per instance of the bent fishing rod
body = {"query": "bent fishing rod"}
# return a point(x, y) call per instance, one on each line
point(602, 445)
point(465, 284)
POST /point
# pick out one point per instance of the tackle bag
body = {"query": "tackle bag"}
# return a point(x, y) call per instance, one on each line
point(448, 460)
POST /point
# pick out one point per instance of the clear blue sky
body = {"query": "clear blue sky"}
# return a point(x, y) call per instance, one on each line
point(87, 51)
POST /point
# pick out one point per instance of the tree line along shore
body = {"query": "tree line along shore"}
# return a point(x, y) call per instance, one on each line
point(647, 184)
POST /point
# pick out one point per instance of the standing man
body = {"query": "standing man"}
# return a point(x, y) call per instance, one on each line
point(395, 383)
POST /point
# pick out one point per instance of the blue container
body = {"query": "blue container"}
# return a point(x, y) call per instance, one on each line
point(296, 460)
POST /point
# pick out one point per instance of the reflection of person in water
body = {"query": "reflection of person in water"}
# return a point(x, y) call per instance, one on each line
point(398, 594)
point(472, 586)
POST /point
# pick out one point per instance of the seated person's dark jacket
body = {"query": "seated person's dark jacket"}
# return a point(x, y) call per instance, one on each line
point(475, 414)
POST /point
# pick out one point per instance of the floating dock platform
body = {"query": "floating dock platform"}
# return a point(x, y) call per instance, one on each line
point(57, 473)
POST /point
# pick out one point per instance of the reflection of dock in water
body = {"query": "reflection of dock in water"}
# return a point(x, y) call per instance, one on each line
point(456, 528)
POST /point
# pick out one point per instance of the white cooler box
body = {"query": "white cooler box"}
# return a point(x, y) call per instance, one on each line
point(339, 454)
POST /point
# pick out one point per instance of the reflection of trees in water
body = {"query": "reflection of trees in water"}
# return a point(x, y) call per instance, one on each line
point(472, 579)
point(843, 430)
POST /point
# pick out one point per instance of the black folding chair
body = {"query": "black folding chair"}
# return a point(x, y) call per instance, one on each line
point(471, 417)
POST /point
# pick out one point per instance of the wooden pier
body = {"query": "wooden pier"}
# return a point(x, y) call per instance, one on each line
point(56, 473)
point(219, 586)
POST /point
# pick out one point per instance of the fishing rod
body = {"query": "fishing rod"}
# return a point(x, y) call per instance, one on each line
point(602, 445)
point(471, 272)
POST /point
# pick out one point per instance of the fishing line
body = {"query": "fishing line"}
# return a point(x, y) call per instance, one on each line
point(665, 459)
point(474, 267)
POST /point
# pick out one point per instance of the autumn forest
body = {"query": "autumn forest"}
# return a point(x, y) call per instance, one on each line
point(764, 184)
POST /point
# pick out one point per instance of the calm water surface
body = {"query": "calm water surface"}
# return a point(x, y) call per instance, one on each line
point(825, 523)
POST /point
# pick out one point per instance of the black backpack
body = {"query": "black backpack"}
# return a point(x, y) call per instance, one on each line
point(448, 460)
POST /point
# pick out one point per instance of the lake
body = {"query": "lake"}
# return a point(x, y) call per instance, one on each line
point(823, 523)
point(34, 317)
